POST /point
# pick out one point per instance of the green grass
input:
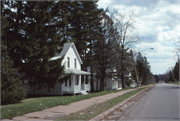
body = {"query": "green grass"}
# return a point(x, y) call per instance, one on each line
point(178, 83)
point(41, 103)
point(97, 109)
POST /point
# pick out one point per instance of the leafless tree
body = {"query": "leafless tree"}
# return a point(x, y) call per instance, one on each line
point(127, 38)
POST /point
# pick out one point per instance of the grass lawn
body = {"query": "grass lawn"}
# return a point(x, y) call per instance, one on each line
point(178, 83)
point(96, 109)
point(41, 103)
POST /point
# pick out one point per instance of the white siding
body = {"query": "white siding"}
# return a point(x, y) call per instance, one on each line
point(44, 90)
point(95, 85)
point(109, 84)
point(72, 55)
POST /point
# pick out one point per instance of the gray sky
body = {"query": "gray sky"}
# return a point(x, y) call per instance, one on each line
point(158, 24)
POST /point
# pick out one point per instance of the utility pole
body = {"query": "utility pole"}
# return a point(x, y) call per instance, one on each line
point(179, 64)
point(134, 68)
point(179, 68)
point(134, 64)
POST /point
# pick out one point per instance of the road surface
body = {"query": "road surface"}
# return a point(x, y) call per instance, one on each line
point(161, 103)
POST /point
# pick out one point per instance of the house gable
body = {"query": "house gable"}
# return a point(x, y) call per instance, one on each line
point(70, 51)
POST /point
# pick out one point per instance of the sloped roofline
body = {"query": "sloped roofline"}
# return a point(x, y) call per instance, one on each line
point(65, 50)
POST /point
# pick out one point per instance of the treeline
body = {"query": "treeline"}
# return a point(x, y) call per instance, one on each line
point(35, 31)
point(144, 70)
point(171, 75)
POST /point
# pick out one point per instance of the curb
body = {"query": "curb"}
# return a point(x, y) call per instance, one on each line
point(109, 111)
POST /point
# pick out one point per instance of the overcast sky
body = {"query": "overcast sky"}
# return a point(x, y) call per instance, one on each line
point(157, 23)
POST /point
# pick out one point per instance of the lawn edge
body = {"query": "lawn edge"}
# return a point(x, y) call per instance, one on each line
point(109, 111)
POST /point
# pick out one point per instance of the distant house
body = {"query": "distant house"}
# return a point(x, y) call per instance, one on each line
point(133, 83)
point(111, 82)
point(80, 80)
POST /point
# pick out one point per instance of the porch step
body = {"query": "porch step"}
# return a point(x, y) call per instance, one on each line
point(84, 92)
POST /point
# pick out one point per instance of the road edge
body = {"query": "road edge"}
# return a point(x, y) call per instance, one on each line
point(109, 111)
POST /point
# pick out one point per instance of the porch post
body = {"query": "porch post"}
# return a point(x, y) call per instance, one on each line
point(88, 79)
point(84, 82)
point(68, 83)
point(73, 81)
point(80, 80)
point(89, 82)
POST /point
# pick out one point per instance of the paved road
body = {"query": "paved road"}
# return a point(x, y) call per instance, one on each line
point(161, 103)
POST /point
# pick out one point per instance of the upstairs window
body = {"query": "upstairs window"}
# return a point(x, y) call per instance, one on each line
point(75, 63)
point(68, 61)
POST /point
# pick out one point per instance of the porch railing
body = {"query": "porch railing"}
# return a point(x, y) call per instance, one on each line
point(72, 88)
point(67, 88)
point(82, 86)
point(77, 88)
point(87, 87)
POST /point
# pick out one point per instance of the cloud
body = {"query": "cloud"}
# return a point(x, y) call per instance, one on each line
point(158, 65)
point(160, 58)
point(157, 24)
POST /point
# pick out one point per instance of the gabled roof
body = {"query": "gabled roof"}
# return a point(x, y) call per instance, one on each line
point(66, 47)
point(76, 71)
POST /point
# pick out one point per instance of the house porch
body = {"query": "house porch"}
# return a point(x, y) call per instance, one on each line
point(78, 83)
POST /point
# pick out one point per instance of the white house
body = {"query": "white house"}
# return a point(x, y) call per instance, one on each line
point(79, 81)
point(111, 83)
point(133, 83)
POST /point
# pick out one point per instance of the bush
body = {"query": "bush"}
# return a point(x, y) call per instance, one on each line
point(11, 90)
point(13, 96)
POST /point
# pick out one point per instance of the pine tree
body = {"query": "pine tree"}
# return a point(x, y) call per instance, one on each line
point(170, 77)
point(176, 71)
point(36, 34)
point(105, 54)
point(85, 20)
point(11, 88)
point(143, 67)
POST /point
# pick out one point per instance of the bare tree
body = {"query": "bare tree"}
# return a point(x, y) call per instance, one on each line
point(127, 38)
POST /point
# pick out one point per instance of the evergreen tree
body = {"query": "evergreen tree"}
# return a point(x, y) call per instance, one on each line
point(156, 78)
point(11, 88)
point(36, 34)
point(171, 77)
point(105, 52)
point(145, 75)
point(84, 20)
point(176, 71)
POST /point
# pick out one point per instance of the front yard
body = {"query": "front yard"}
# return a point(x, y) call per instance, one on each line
point(37, 104)
point(97, 109)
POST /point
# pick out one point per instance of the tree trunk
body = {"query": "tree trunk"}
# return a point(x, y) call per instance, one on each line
point(97, 86)
point(122, 74)
point(92, 86)
point(122, 79)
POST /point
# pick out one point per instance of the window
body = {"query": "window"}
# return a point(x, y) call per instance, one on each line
point(68, 61)
point(75, 63)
